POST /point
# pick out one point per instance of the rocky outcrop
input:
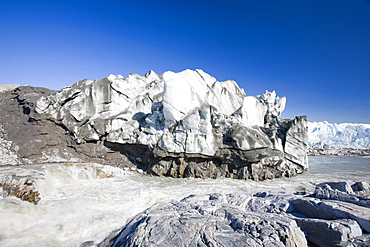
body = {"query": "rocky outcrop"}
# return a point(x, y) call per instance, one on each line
point(211, 220)
point(248, 220)
point(21, 186)
point(17, 128)
point(330, 210)
point(335, 215)
point(343, 191)
point(183, 124)
point(330, 233)
point(29, 138)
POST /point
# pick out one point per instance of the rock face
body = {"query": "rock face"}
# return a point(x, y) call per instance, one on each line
point(183, 124)
point(249, 220)
point(212, 220)
point(29, 138)
point(330, 233)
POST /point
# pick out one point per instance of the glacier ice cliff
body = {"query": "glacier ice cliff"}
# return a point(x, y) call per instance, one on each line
point(184, 124)
point(343, 135)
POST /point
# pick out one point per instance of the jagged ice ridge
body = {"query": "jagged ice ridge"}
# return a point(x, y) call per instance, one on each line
point(188, 116)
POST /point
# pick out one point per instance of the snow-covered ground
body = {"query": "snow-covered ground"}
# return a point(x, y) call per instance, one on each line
point(343, 135)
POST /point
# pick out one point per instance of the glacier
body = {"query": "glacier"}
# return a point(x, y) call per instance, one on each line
point(338, 135)
point(186, 124)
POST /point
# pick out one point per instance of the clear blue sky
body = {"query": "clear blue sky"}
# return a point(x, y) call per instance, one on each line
point(316, 52)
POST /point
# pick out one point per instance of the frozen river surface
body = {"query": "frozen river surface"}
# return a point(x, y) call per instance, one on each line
point(77, 206)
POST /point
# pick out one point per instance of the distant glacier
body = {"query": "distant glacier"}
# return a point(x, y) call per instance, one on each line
point(342, 135)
